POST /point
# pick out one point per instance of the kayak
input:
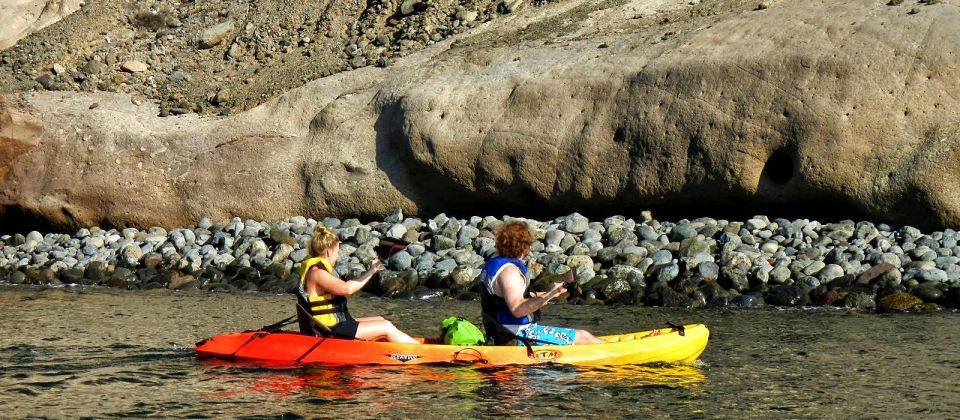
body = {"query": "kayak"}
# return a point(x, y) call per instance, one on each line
point(666, 345)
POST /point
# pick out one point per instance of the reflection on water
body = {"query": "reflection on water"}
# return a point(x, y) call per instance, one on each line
point(67, 353)
point(448, 390)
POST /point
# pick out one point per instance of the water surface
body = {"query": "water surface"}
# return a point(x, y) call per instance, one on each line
point(104, 353)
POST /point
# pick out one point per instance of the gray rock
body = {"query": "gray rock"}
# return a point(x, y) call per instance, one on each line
point(299, 255)
point(689, 263)
point(441, 243)
point(584, 274)
point(396, 231)
point(667, 272)
point(933, 275)
point(553, 237)
point(682, 231)
point(661, 257)
point(579, 249)
point(814, 268)
point(216, 34)
point(400, 261)
point(575, 223)
point(283, 251)
point(407, 7)
point(708, 270)
point(756, 224)
point(830, 272)
point(448, 265)
point(647, 232)
point(807, 283)
point(735, 276)
point(462, 277)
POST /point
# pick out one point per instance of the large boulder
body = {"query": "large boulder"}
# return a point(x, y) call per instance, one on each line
point(848, 102)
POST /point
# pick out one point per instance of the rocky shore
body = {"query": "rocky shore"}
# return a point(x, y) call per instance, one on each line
point(689, 263)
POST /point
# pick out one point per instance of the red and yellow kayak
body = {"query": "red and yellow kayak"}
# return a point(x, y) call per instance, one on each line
point(666, 345)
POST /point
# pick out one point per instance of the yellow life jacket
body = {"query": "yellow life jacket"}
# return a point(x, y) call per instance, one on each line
point(327, 309)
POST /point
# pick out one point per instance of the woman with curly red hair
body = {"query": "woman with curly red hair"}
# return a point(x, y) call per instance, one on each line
point(509, 311)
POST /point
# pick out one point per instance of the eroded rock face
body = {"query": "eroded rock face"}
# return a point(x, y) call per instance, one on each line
point(853, 103)
point(22, 17)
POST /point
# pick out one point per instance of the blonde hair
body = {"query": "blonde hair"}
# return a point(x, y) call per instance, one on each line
point(322, 240)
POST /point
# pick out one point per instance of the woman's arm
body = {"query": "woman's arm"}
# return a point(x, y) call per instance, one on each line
point(512, 287)
point(337, 287)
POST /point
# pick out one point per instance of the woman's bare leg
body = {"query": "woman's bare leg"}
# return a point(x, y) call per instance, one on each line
point(370, 318)
point(374, 330)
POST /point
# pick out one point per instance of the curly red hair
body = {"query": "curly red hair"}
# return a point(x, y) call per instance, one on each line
point(514, 239)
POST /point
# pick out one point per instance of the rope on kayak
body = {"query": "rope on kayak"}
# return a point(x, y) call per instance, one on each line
point(678, 327)
point(478, 357)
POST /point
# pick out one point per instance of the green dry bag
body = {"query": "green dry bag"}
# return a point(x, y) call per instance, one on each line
point(460, 332)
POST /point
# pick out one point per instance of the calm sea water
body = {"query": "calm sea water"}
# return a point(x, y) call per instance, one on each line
point(103, 353)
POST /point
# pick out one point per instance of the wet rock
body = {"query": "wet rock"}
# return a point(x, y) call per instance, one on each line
point(929, 292)
point(898, 302)
point(828, 298)
point(860, 299)
point(181, 281)
point(72, 276)
point(392, 282)
point(96, 273)
point(17, 277)
point(662, 295)
point(42, 275)
point(615, 289)
point(429, 294)
point(786, 295)
point(747, 301)
point(123, 278)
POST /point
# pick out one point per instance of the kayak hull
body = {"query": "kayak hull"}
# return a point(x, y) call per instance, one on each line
point(292, 348)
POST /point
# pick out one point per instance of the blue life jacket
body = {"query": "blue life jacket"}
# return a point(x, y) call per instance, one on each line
point(496, 306)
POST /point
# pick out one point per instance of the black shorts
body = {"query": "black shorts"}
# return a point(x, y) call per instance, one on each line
point(346, 328)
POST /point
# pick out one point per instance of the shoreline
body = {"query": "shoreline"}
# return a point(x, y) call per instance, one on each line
point(699, 263)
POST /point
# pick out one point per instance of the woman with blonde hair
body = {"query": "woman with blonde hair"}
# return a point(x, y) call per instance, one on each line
point(322, 300)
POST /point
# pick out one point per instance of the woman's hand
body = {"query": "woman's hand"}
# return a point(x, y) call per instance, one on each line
point(558, 289)
point(376, 265)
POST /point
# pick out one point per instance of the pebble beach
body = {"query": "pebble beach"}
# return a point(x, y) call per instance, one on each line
point(619, 260)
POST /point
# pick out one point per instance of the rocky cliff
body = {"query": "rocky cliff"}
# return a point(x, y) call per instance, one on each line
point(609, 106)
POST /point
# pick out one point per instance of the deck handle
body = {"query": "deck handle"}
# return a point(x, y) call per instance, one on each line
point(468, 356)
